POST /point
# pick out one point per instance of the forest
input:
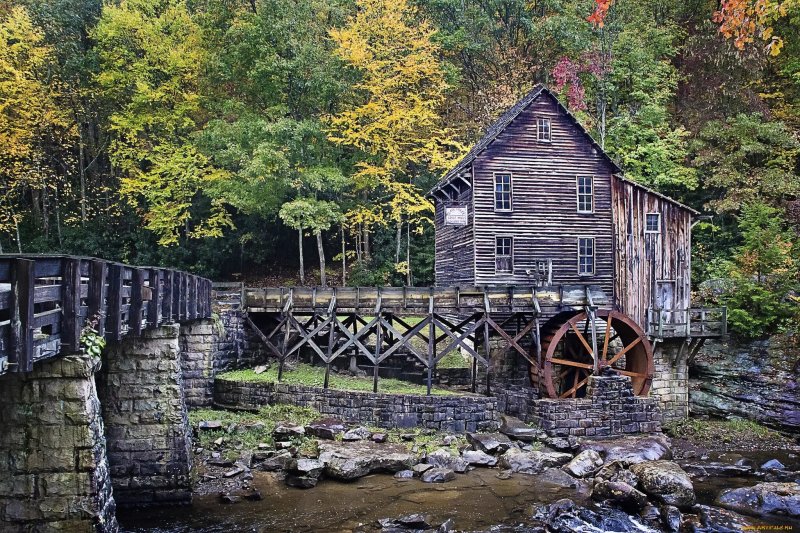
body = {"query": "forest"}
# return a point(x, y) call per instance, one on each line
point(293, 141)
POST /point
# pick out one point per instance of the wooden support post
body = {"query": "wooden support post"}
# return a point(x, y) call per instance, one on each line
point(22, 295)
point(474, 387)
point(71, 305)
point(135, 311)
point(114, 320)
point(378, 348)
point(192, 312)
point(431, 341)
point(154, 306)
point(167, 307)
point(98, 272)
point(487, 349)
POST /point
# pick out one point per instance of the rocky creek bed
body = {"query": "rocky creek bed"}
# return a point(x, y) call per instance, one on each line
point(327, 475)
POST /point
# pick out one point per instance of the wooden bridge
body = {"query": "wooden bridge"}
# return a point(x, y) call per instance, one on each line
point(47, 300)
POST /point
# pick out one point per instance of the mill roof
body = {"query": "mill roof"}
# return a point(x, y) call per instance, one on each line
point(499, 125)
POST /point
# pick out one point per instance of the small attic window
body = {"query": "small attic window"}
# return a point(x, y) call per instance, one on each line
point(653, 223)
point(543, 130)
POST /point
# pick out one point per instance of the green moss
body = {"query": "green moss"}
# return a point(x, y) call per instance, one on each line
point(250, 429)
point(726, 431)
point(314, 376)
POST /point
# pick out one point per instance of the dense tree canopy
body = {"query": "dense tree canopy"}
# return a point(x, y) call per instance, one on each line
point(215, 135)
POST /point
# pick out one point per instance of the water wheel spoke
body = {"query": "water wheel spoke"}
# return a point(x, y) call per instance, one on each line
point(624, 350)
point(567, 362)
point(583, 340)
point(574, 390)
point(631, 374)
point(605, 339)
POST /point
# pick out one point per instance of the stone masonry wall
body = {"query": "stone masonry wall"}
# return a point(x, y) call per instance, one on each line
point(204, 346)
point(609, 409)
point(671, 379)
point(54, 473)
point(443, 413)
point(147, 426)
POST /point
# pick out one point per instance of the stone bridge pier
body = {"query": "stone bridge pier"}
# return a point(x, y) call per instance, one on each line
point(80, 436)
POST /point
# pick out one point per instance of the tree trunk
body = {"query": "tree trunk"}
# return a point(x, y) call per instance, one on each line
point(409, 278)
point(365, 241)
point(82, 169)
point(399, 241)
point(323, 280)
point(344, 261)
point(302, 266)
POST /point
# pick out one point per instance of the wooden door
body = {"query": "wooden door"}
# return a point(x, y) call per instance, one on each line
point(665, 300)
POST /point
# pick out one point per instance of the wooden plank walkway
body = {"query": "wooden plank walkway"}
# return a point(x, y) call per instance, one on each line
point(47, 300)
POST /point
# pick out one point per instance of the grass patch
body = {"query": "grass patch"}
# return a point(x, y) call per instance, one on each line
point(735, 430)
point(314, 376)
point(248, 430)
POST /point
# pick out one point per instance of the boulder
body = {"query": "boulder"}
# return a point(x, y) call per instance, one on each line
point(562, 444)
point(616, 471)
point(666, 482)
point(492, 443)
point(359, 433)
point(304, 473)
point(564, 516)
point(620, 494)
point(519, 430)
point(412, 522)
point(438, 475)
point(404, 474)
point(631, 450)
point(280, 460)
point(532, 462)
point(584, 464)
point(442, 458)
point(722, 520)
point(773, 464)
point(672, 517)
point(716, 469)
point(380, 438)
point(559, 478)
point(209, 425)
point(354, 460)
point(325, 428)
point(286, 432)
point(763, 499)
point(478, 458)
point(419, 468)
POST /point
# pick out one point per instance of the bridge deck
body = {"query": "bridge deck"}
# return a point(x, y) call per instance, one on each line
point(47, 300)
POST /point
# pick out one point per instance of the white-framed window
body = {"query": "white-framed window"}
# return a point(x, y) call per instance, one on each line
point(586, 256)
point(503, 254)
point(543, 130)
point(652, 223)
point(585, 194)
point(502, 192)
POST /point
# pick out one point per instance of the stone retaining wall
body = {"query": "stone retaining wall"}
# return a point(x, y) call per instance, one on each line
point(443, 413)
point(609, 409)
point(54, 473)
point(671, 378)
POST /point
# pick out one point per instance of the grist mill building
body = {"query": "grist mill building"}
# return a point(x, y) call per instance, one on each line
point(538, 203)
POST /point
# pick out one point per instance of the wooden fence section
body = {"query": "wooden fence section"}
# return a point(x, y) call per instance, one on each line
point(695, 322)
point(47, 300)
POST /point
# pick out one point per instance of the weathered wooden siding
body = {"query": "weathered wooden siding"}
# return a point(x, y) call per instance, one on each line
point(544, 222)
point(643, 258)
point(454, 245)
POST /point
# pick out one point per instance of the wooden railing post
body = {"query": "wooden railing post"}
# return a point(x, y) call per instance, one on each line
point(154, 307)
point(114, 319)
point(167, 308)
point(98, 272)
point(135, 310)
point(71, 305)
point(22, 293)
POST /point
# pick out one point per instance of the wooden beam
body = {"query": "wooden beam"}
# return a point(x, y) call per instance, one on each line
point(98, 273)
point(71, 306)
point(114, 320)
point(22, 294)
point(135, 311)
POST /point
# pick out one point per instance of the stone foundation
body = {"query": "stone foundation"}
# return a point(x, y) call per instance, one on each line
point(671, 378)
point(54, 473)
point(147, 426)
point(442, 413)
point(609, 409)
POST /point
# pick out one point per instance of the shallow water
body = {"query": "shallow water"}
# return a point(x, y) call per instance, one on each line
point(474, 501)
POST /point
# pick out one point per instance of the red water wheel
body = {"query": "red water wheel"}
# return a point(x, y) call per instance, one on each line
point(568, 353)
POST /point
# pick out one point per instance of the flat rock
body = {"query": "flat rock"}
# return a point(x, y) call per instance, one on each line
point(773, 464)
point(716, 469)
point(286, 432)
point(209, 425)
point(631, 450)
point(722, 520)
point(404, 474)
point(565, 516)
point(620, 494)
point(562, 444)
point(763, 499)
point(442, 458)
point(559, 478)
point(304, 473)
point(666, 482)
point(519, 430)
point(419, 468)
point(438, 475)
point(412, 521)
point(347, 461)
point(380, 438)
point(325, 428)
point(584, 464)
point(280, 460)
point(533, 462)
point(492, 443)
point(359, 433)
point(479, 458)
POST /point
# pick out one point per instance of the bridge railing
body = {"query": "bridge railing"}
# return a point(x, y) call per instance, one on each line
point(46, 301)
point(694, 322)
